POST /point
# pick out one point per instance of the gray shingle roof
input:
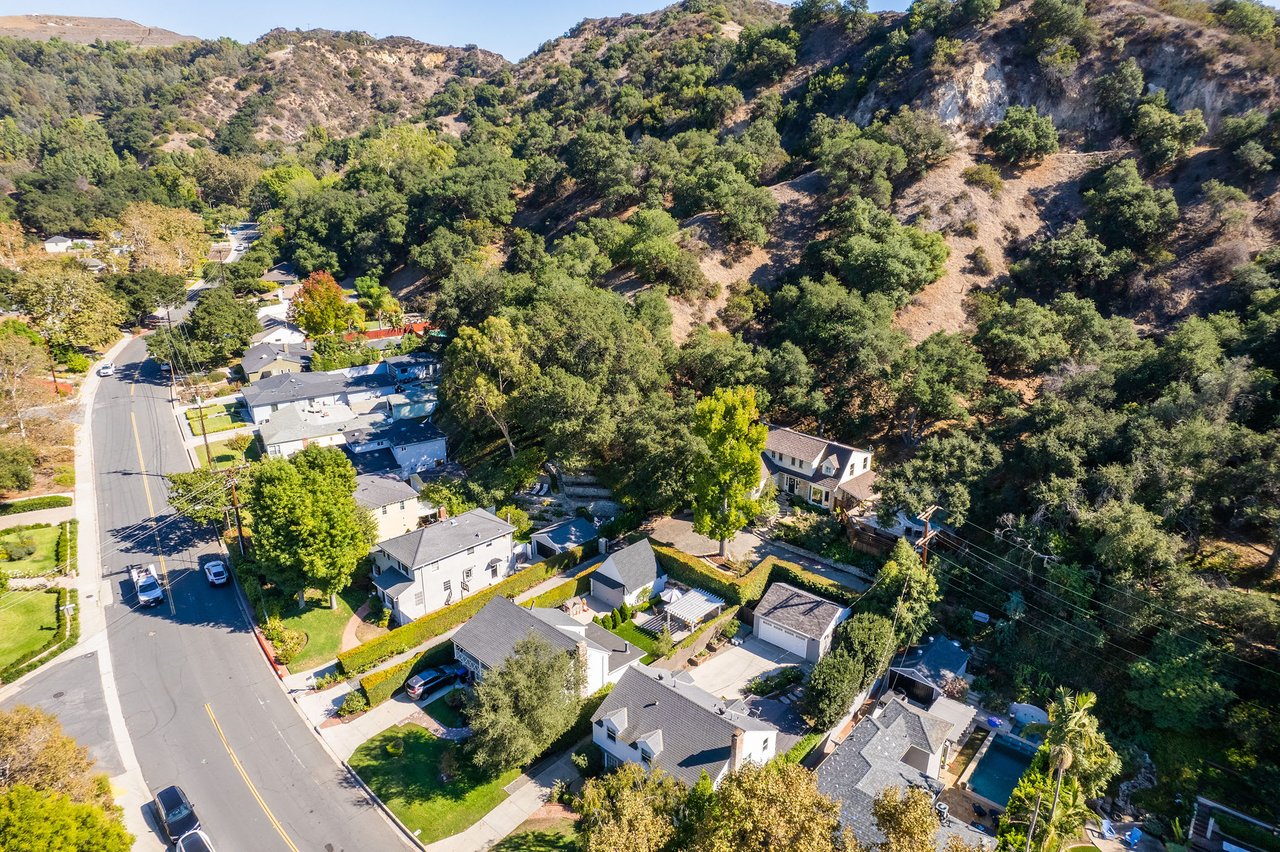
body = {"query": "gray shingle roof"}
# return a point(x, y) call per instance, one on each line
point(375, 490)
point(570, 532)
point(798, 610)
point(400, 433)
point(492, 633)
point(933, 661)
point(445, 538)
point(261, 354)
point(292, 424)
point(870, 761)
point(812, 449)
point(296, 387)
point(696, 727)
point(393, 582)
point(634, 566)
point(862, 486)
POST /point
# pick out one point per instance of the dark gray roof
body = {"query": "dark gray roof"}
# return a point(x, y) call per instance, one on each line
point(445, 538)
point(374, 461)
point(281, 273)
point(570, 532)
point(492, 633)
point(296, 387)
point(634, 566)
point(817, 478)
point(870, 761)
point(696, 728)
point(934, 660)
point(862, 486)
point(393, 582)
point(261, 354)
point(621, 652)
point(375, 490)
point(810, 448)
point(798, 610)
point(399, 433)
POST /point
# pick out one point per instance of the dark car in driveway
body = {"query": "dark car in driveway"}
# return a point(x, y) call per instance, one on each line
point(426, 682)
point(175, 812)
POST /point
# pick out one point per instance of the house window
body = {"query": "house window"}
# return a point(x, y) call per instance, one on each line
point(448, 587)
point(613, 738)
point(646, 758)
point(466, 575)
point(384, 510)
point(828, 469)
point(402, 505)
point(493, 570)
point(419, 599)
point(470, 550)
point(377, 569)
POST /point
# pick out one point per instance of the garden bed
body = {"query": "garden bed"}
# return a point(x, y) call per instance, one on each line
point(42, 561)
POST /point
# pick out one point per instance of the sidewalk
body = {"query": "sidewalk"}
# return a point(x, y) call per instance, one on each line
point(527, 795)
point(56, 515)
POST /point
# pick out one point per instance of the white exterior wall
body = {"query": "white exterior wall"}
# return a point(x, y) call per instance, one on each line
point(646, 592)
point(429, 580)
point(416, 457)
point(596, 672)
point(262, 413)
point(781, 637)
point(396, 519)
point(758, 747)
point(285, 449)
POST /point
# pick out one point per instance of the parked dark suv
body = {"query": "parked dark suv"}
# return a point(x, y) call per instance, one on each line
point(427, 682)
point(176, 813)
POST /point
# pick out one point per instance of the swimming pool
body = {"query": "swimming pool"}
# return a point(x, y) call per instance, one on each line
point(998, 770)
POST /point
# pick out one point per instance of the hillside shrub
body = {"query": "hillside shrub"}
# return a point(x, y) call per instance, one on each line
point(1023, 136)
point(985, 177)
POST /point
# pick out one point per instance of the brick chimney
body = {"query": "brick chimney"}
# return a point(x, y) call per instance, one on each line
point(442, 514)
point(735, 750)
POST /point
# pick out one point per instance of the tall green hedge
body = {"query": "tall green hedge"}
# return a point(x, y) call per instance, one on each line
point(65, 550)
point(53, 501)
point(749, 588)
point(578, 586)
point(379, 686)
point(781, 571)
point(364, 657)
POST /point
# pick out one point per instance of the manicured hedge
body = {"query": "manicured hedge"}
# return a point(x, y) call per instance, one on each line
point(578, 586)
point(746, 589)
point(720, 619)
point(364, 657)
point(379, 686)
point(63, 638)
point(781, 571)
point(64, 553)
point(53, 501)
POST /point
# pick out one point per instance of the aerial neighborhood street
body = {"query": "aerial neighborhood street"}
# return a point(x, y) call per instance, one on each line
point(738, 426)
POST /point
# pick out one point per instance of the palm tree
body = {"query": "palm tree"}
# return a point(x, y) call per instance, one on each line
point(1074, 740)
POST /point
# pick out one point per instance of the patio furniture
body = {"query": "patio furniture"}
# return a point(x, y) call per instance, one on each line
point(1108, 830)
point(979, 810)
point(995, 721)
point(943, 810)
point(1133, 838)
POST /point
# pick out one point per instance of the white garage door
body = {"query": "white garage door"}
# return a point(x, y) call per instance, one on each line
point(783, 638)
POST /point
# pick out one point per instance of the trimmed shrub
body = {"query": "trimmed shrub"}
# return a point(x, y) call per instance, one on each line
point(53, 501)
point(64, 553)
point(355, 702)
point(364, 657)
point(789, 572)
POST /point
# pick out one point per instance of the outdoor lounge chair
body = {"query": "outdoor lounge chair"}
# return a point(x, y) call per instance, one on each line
point(1108, 830)
point(1133, 838)
point(979, 810)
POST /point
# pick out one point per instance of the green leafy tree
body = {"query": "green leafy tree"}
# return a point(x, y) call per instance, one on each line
point(377, 301)
point(523, 705)
point(1181, 683)
point(907, 591)
point(219, 328)
point(1023, 136)
point(874, 252)
point(22, 357)
point(869, 640)
point(1118, 92)
point(833, 684)
point(1076, 746)
point(36, 821)
point(629, 809)
point(906, 818)
point(1250, 18)
point(36, 753)
point(728, 425)
point(932, 382)
point(945, 471)
point(308, 531)
point(143, 293)
point(485, 371)
point(17, 466)
point(770, 807)
point(66, 304)
point(1125, 211)
point(203, 495)
point(320, 307)
point(1163, 136)
point(853, 163)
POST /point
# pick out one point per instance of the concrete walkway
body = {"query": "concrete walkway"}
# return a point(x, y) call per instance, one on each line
point(57, 515)
point(349, 638)
point(527, 794)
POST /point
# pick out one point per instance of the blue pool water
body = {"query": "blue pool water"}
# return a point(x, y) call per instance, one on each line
point(998, 771)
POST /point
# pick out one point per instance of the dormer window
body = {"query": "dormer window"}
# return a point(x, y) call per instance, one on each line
point(828, 468)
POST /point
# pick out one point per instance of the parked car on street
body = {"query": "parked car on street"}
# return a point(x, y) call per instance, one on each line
point(107, 369)
point(427, 682)
point(166, 368)
point(215, 571)
point(175, 812)
point(195, 841)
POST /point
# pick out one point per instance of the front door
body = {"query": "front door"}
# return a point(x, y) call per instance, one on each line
point(791, 484)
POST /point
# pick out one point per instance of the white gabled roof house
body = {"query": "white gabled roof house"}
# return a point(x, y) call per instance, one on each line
point(826, 473)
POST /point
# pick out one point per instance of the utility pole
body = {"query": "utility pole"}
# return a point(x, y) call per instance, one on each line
point(204, 432)
point(235, 506)
point(928, 533)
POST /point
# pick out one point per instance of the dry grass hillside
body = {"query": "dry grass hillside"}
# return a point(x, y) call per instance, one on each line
point(83, 30)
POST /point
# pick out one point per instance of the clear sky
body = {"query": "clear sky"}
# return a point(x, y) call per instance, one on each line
point(513, 28)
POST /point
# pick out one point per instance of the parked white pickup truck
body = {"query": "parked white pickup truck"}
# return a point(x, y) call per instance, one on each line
point(147, 585)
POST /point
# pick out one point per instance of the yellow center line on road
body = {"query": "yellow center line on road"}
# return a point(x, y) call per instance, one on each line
point(151, 510)
point(235, 761)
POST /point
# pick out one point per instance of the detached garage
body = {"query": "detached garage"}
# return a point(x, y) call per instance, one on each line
point(797, 621)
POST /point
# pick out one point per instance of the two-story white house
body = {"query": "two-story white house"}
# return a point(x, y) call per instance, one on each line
point(826, 473)
point(490, 636)
point(661, 719)
point(432, 567)
point(392, 502)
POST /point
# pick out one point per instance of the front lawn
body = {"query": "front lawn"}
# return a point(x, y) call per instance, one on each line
point(555, 834)
point(413, 781)
point(217, 418)
point(442, 712)
point(41, 561)
point(225, 456)
point(27, 621)
point(322, 625)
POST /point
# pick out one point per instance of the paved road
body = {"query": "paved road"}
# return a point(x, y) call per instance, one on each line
point(202, 707)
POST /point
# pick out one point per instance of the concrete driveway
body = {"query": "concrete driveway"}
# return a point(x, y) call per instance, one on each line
point(727, 673)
